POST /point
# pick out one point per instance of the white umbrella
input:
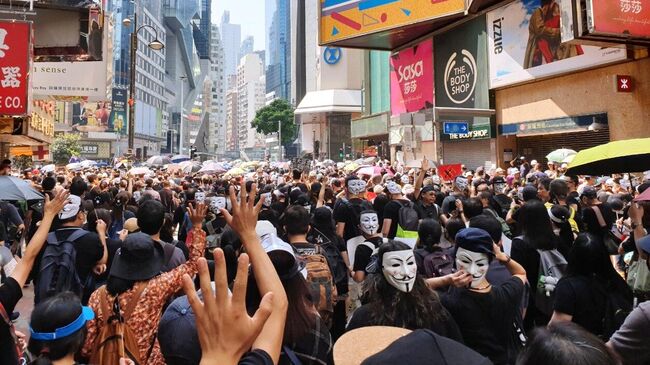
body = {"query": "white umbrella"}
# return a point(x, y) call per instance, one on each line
point(73, 166)
point(139, 171)
point(48, 168)
point(212, 168)
point(159, 161)
point(88, 163)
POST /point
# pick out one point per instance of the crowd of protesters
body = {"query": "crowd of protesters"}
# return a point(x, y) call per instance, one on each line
point(527, 265)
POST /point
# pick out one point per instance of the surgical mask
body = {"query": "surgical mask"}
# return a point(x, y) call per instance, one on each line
point(399, 269)
point(473, 263)
point(369, 223)
point(356, 186)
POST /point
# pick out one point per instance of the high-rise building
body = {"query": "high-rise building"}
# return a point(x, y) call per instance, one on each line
point(251, 97)
point(218, 92)
point(232, 116)
point(202, 32)
point(278, 25)
point(231, 42)
point(247, 46)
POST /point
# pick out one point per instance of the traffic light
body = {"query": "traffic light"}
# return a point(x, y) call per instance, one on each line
point(192, 152)
point(341, 152)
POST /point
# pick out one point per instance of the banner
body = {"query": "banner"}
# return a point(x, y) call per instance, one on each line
point(449, 172)
point(91, 116)
point(70, 81)
point(346, 19)
point(411, 79)
point(461, 69)
point(524, 44)
point(627, 18)
point(118, 118)
point(15, 53)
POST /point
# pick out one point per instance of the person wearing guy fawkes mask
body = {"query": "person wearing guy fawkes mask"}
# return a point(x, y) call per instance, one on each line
point(348, 209)
point(214, 223)
point(362, 247)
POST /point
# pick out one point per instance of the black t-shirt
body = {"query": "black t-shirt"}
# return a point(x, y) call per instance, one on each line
point(348, 212)
point(256, 357)
point(112, 246)
point(10, 294)
point(362, 317)
point(363, 253)
point(485, 319)
point(582, 298)
point(427, 211)
point(591, 221)
point(391, 211)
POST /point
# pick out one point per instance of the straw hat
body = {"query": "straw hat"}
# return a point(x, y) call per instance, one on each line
point(359, 344)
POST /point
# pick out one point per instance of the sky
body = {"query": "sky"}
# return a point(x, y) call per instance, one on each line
point(248, 13)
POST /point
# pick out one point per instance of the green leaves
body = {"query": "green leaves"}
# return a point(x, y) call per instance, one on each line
point(266, 120)
point(64, 147)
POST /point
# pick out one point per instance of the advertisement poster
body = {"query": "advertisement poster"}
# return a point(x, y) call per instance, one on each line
point(524, 44)
point(60, 80)
point(411, 79)
point(118, 118)
point(15, 44)
point(630, 18)
point(461, 69)
point(345, 19)
point(91, 116)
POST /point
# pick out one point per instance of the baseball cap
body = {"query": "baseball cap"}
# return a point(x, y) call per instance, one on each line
point(475, 240)
point(529, 192)
point(71, 208)
point(179, 321)
point(589, 192)
point(644, 243)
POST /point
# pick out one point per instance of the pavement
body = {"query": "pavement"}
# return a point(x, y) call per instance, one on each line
point(25, 307)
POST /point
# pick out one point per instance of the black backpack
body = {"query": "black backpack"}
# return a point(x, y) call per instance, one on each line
point(57, 270)
point(408, 220)
point(438, 264)
point(333, 256)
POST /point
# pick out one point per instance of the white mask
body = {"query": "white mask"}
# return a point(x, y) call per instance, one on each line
point(267, 199)
point(356, 186)
point(473, 263)
point(217, 203)
point(136, 196)
point(399, 269)
point(369, 223)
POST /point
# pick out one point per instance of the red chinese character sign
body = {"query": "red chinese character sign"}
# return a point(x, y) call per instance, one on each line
point(620, 17)
point(15, 43)
point(411, 79)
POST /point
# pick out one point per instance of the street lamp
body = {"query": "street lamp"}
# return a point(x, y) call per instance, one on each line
point(156, 45)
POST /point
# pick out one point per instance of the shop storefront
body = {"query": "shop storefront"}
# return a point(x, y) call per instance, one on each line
point(463, 111)
point(370, 136)
point(96, 150)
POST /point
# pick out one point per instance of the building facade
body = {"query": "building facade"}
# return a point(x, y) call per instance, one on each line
point(251, 97)
point(231, 41)
point(247, 46)
point(218, 93)
point(278, 72)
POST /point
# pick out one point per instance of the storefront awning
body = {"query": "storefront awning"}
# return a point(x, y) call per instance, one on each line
point(327, 101)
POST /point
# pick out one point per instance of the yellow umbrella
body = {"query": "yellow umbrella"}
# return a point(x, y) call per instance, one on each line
point(351, 167)
point(631, 155)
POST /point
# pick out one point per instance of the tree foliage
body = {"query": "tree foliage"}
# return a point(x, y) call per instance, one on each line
point(266, 120)
point(23, 162)
point(64, 147)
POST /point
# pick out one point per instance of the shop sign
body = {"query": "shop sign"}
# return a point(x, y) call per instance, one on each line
point(461, 66)
point(349, 19)
point(411, 79)
point(475, 132)
point(15, 56)
point(89, 149)
point(626, 18)
point(518, 52)
point(553, 125)
point(62, 81)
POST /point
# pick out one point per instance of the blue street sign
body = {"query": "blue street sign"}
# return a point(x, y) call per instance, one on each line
point(455, 127)
point(332, 55)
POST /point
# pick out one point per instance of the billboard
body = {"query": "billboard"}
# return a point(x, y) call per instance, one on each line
point(345, 19)
point(15, 54)
point(411, 79)
point(627, 18)
point(91, 116)
point(118, 117)
point(461, 67)
point(524, 44)
point(70, 81)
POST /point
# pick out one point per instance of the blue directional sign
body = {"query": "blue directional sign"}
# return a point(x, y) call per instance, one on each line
point(455, 127)
point(332, 55)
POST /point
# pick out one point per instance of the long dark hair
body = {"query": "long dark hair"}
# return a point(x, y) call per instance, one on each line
point(536, 226)
point(429, 233)
point(420, 308)
point(588, 256)
point(56, 312)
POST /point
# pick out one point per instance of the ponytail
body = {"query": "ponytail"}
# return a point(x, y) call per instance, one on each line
point(43, 357)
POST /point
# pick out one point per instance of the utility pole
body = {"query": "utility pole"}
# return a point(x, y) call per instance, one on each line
point(280, 139)
point(134, 49)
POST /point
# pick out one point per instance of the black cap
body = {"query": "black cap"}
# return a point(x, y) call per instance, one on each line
point(589, 192)
point(475, 240)
point(139, 258)
point(529, 192)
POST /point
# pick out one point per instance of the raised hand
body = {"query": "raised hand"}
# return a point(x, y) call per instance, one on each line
point(244, 213)
point(54, 206)
point(225, 329)
point(197, 215)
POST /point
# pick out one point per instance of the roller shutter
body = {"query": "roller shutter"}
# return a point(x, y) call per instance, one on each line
point(537, 147)
point(472, 153)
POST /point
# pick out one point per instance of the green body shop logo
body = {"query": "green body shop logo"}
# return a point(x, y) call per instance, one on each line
point(460, 76)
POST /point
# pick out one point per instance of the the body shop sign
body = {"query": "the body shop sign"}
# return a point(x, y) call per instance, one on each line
point(628, 18)
point(411, 79)
point(461, 67)
point(15, 53)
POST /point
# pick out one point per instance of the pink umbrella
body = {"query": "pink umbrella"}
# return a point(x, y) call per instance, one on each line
point(645, 196)
point(372, 170)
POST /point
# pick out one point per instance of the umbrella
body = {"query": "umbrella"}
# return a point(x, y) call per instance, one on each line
point(372, 171)
point(158, 161)
point(13, 188)
point(88, 163)
point(561, 155)
point(180, 158)
point(191, 168)
point(139, 171)
point(73, 166)
point(48, 168)
point(631, 155)
point(212, 168)
point(235, 172)
point(645, 196)
point(351, 167)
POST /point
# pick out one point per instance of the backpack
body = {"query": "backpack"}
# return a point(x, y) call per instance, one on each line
point(213, 239)
point(437, 264)
point(57, 270)
point(334, 259)
point(321, 283)
point(408, 221)
point(505, 228)
point(552, 268)
point(116, 339)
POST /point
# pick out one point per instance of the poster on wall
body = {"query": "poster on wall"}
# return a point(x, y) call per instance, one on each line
point(524, 43)
point(117, 120)
point(411, 79)
point(91, 116)
point(628, 18)
point(461, 70)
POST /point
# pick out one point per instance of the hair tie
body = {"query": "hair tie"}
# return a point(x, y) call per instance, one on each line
point(45, 351)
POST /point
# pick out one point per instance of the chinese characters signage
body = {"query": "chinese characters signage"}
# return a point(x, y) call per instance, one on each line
point(630, 18)
point(89, 149)
point(117, 121)
point(411, 79)
point(525, 43)
point(15, 52)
